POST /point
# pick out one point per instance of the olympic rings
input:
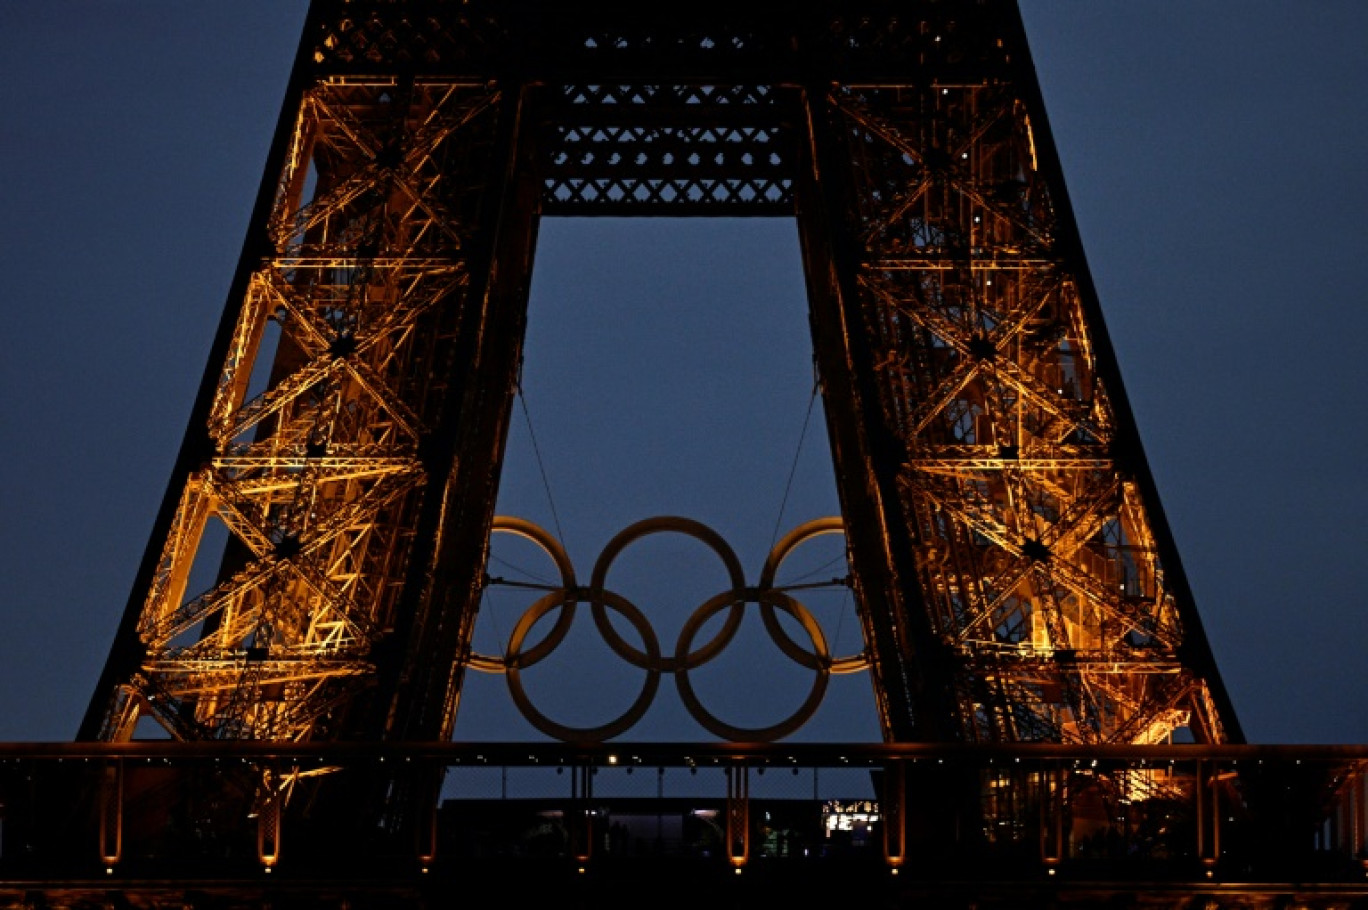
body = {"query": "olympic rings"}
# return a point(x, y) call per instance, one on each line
point(521, 527)
point(689, 528)
point(517, 660)
point(684, 657)
point(786, 545)
point(785, 727)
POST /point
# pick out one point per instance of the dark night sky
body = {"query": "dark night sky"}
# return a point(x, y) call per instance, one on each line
point(1217, 157)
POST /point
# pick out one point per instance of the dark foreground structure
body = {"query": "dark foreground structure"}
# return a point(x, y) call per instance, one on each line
point(1031, 639)
point(633, 824)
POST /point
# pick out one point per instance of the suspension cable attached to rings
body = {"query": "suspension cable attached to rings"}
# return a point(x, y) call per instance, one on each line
point(840, 620)
point(793, 469)
point(494, 623)
point(685, 656)
point(541, 465)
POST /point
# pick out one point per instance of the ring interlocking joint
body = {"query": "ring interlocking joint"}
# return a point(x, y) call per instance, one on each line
point(685, 657)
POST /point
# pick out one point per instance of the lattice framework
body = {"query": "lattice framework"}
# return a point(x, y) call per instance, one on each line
point(333, 380)
point(1015, 576)
point(1036, 556)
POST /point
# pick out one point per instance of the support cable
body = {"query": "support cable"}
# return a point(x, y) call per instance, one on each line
point(541, 466)
point(538, 578)
point(798, 581)
point(494, 623)
point(793, 469)
point(840, 621)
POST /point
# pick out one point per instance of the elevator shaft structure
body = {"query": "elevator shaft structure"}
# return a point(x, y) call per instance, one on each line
point(1015, 576)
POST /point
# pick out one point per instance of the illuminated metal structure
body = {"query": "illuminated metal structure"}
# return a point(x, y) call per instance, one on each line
point(1034, 650)
point(1014, 572)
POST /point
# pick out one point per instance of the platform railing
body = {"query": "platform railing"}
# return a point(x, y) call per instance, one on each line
point(240, 810)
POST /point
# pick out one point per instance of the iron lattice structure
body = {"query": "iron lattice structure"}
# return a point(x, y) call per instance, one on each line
point(1014, 572)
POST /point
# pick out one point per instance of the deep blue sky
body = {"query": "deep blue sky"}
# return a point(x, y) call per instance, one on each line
point(1217, 156)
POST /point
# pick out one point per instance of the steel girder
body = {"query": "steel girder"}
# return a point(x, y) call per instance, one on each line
point(1015, 575)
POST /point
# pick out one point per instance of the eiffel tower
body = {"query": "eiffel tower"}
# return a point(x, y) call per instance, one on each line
point(1016, 581)
point(1015, 575)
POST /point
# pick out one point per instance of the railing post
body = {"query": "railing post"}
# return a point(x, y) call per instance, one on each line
point(581, 820)
point(428, 792)
point(893, 807)
point(1051, 815)
point(110, 797)
point(1206, 786)
point(738, 815)
point(270, 820)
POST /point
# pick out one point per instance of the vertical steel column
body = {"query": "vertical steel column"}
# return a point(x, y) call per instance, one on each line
point(464, 453)
point(911, 684)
